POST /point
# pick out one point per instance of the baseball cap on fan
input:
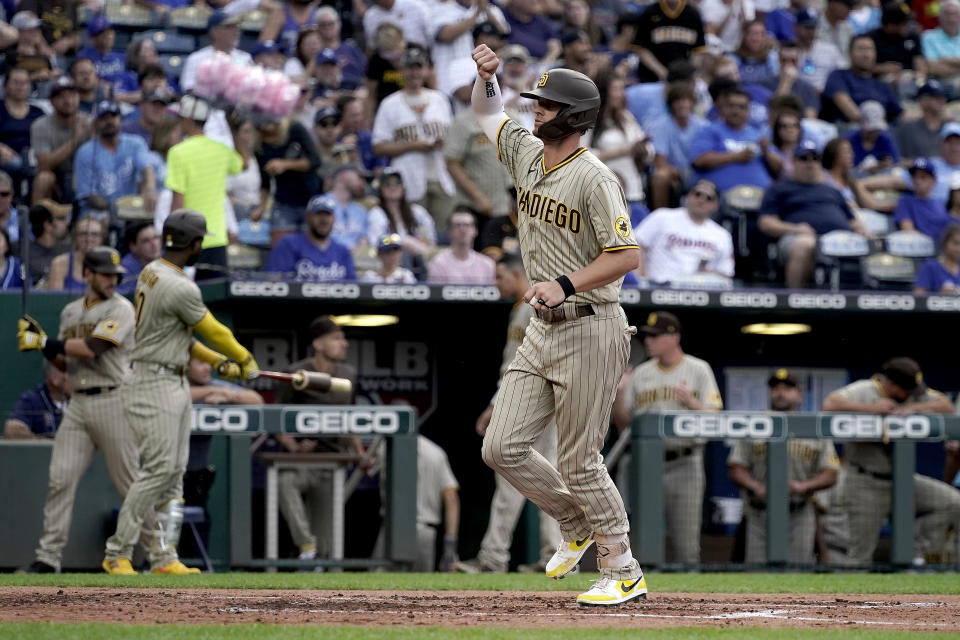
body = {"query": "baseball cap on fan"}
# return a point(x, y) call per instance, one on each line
point(25, 20)
point(808, 17)
point(106, 107)
point(661, 322)
point(873, 117)
point(192, 108)
point(321, 203)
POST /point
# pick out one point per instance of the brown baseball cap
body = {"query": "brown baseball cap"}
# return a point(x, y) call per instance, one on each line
point(905, 373)
point(323, 325)
point(660, 322)
point(782, 376)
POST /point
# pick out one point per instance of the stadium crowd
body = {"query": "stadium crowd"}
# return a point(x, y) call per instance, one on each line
point(808, 126)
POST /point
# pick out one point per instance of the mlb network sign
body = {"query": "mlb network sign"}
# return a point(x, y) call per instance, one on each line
point(755, 426)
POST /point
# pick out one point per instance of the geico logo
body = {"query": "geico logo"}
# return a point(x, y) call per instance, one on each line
point(329, 290)
point(276, 289)
point(871, 427)
point(475, 294)
point(629, 296)
point(686, 298)
point(943, 303)
point(816, 301)
point(214, 419)
point(896, 303)
point(725, 425)
point(401, 292)
point(347, 422)
point(752, 300)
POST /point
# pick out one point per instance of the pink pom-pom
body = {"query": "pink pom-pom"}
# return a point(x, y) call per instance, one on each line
point(273, 82)
point(250, 86)
point(286, 100)
point(233, 82)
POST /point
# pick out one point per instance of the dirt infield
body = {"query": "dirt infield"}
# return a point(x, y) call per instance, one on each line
point(473, 609)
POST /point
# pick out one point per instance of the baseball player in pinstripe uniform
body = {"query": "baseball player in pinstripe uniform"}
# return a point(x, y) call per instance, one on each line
point(93, 346)
point(672, 380)
point(898, 389)
point(576, 244)
point(169, 309)
point(507, 502)
point(812, 465)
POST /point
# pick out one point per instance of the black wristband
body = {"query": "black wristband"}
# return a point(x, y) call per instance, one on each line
point(567, 286)
point(53, 348)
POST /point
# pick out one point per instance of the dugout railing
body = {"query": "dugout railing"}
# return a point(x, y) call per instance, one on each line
point(901, 432)
point(23, 466)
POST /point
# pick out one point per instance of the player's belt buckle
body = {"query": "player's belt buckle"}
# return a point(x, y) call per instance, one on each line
point(560, 314)
point(94, 391)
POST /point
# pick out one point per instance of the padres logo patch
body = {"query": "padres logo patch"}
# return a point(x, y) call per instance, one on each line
point(543, 79)
point(622, 225)
point(109, 326)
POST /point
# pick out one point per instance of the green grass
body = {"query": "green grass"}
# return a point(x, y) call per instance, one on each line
point(54, 631)
point(847, 583)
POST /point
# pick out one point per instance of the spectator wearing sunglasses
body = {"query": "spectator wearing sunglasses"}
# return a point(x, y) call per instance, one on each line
point(795, 212)
point(685, 241)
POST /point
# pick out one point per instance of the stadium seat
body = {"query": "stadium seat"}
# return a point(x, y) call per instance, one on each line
point(129, 16)
point(173, 65)
point(243, 257)
point(876, 223)
point(910, 244)
point(953, 109)
point(170, 41)
point(253, 21)
point(886, 271)
point(739, 210)
point(839, 255)
point(131, 208)
point(702, 281)
point(190, 18)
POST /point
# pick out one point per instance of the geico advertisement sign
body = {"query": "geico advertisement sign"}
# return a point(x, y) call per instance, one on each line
point(224, 420)
point(872, 427)
point(260, 289)
point(725, 425)
point(335, 422)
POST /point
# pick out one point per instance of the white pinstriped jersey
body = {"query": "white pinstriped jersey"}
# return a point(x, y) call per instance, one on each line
point(168, 305)
point(111, 320)
point(568, 215)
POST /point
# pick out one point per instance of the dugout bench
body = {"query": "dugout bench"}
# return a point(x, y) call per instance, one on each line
point(647, 467)
point(24, 465)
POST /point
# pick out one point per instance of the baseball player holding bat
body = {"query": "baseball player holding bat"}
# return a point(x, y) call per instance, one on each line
point(576, 242)
point(93, 346)
point(169, 309)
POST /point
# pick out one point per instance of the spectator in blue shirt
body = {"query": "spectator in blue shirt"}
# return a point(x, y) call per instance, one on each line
point(874, 149)
point(730, 152)
point(39, 410)
point(847, 89)
point(114, 164)
point(347, 188)
point(646, 100)
point(920, 212)
point(947, 167)
point(9, 264)
point(942, 274)
point(780, 22)
point(110, 64)
point(796, 211)
point(312, 254)
point(527, 27)
point(673, 135)
point(143, 247)
point(352, 61)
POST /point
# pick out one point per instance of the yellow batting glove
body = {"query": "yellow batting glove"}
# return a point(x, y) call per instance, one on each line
point(30, 335)
point(250, 368)
point(229, 370)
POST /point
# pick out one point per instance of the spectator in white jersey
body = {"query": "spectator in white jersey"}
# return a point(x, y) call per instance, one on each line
point(682, 242)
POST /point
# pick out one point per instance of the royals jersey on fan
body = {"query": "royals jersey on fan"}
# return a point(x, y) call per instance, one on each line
point(168, 305)
point(568, 215)
point(111, 320)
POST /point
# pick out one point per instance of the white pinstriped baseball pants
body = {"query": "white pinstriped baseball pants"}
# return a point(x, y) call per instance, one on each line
point(569, 370)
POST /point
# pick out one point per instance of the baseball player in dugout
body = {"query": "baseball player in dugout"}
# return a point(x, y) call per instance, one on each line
point(93, 346)
point(671, 380)
point(812, 465)
point(576, 243)
point(169, 309)
point(311, 528)
point(898, 389)
point(507, 502)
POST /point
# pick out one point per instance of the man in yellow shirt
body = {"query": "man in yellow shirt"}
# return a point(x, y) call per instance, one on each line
point(197, 170)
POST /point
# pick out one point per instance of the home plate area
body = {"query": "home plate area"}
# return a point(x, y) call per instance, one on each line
point(515, 609)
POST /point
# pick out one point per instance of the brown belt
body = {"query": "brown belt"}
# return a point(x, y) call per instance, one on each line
point(560, 314)
point(94, 391)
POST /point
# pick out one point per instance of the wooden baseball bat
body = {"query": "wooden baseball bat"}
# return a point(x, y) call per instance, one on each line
point(301, 380)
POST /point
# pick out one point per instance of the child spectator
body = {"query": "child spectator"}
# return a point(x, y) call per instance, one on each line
point(390, 253)
point(874, 149)
point(920, 212)
point(942, 274)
